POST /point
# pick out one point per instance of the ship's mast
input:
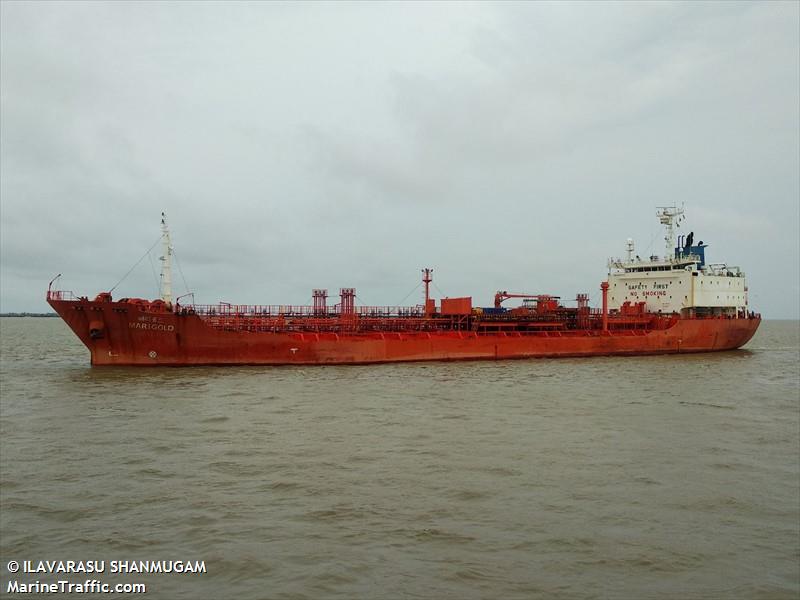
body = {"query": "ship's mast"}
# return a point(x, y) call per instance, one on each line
point(426, 279)
point(166, 262)
point(670, 217)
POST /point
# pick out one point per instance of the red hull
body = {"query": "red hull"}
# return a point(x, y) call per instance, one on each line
point(131, 337)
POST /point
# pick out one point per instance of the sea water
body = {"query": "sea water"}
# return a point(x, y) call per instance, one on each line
point(639, 477)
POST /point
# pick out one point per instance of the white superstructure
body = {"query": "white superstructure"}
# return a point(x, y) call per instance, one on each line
point(680, 282)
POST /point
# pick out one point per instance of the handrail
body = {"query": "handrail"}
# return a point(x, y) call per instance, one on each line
point(655, 260)
point(366, 314)
point(61, 295)
point(290, 310)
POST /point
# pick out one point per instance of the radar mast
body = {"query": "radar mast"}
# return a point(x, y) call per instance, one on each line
point(670, 217)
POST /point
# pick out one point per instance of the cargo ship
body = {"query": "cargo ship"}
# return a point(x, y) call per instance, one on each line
point(677, 303)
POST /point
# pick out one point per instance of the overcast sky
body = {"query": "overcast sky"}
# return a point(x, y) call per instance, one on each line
point(508, 146)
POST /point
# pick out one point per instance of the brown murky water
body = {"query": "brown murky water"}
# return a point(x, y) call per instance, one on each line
point(647, 477)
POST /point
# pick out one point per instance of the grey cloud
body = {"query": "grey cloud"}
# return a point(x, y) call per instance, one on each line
point(511, 145)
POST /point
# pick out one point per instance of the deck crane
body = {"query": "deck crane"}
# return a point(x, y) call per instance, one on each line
point(501, 296)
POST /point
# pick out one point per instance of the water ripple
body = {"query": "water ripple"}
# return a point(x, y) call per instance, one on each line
point(641, 477)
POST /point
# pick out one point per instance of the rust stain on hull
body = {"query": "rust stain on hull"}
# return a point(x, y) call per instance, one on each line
point(115, 335)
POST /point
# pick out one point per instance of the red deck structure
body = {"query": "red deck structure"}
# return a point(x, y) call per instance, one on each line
point(699, 309)
point(139, 332)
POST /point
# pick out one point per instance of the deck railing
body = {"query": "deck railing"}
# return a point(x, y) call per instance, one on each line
point(61, 295)
point(289, 310)
point(375, 317)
